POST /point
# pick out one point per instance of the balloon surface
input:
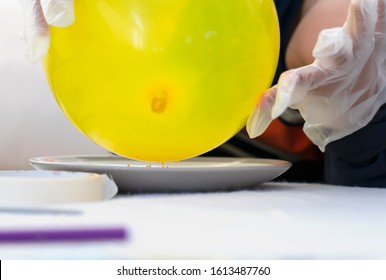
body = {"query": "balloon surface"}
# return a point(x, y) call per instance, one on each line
point(163, 80)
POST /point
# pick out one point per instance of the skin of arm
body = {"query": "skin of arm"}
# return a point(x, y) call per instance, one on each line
point(315, 16)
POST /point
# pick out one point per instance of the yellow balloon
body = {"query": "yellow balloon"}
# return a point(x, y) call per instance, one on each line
point(163, 80)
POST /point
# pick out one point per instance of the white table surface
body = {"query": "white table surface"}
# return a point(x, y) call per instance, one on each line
point(270, 221)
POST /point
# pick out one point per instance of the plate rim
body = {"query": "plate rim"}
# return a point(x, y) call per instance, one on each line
point(193, 178)
point(266, 163)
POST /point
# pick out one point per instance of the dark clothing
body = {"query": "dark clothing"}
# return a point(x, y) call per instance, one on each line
point(359, 159)
point(288, 12)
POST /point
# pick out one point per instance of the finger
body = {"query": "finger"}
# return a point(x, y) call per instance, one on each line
point(34, 34)
point(294, 84)
point(381, 22)
point(361, 21)
point(333, 49)
point(58, 12)
point(260, 118)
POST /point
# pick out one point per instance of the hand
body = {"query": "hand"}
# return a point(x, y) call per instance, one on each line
point(341, 91)
point(37, 16)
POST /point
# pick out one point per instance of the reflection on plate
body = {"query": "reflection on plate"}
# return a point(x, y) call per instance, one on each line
point(197, 174)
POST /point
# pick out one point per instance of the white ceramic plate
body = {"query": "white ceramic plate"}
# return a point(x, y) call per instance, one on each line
point(197, 174)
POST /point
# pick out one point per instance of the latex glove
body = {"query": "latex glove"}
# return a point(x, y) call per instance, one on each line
point(36, 18)
point(344, 87)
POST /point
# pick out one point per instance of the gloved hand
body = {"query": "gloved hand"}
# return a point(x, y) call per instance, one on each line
point(341, 91)
point(37, 16)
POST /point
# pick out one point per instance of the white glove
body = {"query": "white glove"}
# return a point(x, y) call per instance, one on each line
point(341, 91)
point(37, 16)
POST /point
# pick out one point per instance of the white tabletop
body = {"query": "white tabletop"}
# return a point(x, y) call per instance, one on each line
point(270, 221)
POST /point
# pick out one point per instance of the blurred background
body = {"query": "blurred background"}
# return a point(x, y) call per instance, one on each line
point(31, 123)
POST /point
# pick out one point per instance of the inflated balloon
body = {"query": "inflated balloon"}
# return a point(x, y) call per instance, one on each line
point(163, 80)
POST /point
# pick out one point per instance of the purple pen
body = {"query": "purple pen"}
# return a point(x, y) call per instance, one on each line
point(63, 235)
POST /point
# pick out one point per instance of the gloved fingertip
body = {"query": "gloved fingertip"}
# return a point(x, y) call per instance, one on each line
point(361, 20)
point(252, 133)
point(318, 135)
point(258, 122)
point(58, 13)
point(251, 128)
point(330, 42)
point(63, 19)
